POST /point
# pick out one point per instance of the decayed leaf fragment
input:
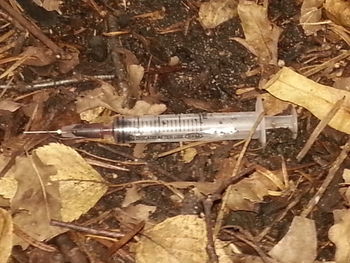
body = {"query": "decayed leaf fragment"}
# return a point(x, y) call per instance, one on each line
point(181, 238)
point(6, 234)
point(261, 36)
point(36, 200)
point(299, 244)
point(339, 235)
point(338, 11)
point(311, 13)
point(216, 12)
point(317, 98)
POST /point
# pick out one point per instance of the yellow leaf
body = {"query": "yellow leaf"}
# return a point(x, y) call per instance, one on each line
point(338, 11)
point(6, 229)
point(178, 239)
point(317, 98)
point(79, 185)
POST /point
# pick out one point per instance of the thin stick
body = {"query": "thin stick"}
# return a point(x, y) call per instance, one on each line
point(331, 174)
point(88, 230)
point(55, 83)
point(319, 128)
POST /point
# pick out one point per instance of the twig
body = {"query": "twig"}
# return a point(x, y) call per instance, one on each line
point(120, 69)
point(151, 165)
point(55, 83)
point(84, 229)
point(317, 68)
point(207, 206)
point(246, 238)
point(34, 30)
point(331, 174)
point(319, 128)
point(35, 243)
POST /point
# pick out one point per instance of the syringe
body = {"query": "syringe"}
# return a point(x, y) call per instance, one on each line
point(182, 127)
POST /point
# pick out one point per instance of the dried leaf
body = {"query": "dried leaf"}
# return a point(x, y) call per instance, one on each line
point(299, 244)
point(245, 194)
point(37, 199)
point(188, 155)
point(216, 12)
point(339, 235)
point(9, 105)
point(261, 36)
point(272, 105)
point(311, 13)
point(39, 56)
point(132, 195)
point(319, 99)
point(338, 11)
point(139, 212)
point(342, 83)
point(79, 185)
point(6, 235)
point(105, 96)
point(49, 5)
point(66, 65)
point(178, 239)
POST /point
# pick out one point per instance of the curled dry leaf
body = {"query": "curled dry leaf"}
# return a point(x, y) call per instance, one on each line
point(299, 244)
point(311, 13)
point(339, 235)
point(261, 36)
point(6, 235)
point(338, 11)
point(319, 99)
point(131, 196)
point(216, 12)
point(106, 97)
point(178, 239)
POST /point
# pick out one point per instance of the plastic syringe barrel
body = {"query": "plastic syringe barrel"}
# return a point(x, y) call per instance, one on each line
point(198, 127)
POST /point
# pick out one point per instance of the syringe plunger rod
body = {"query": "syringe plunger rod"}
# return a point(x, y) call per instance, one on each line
point(189, 127)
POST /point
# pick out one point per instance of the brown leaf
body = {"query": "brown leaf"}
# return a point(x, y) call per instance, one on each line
point(311, 12)
point(216, 12)
point(37, 199)
point(261, 36)
point(39, 56)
